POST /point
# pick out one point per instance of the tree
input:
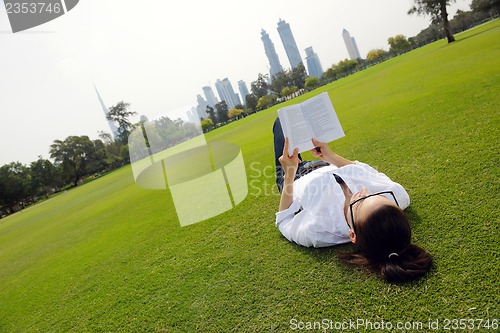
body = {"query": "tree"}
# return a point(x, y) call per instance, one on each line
point(462, 21)
point(288, 90)
point(266, 101)
point(234, 113)
point(330, 74)
point(375, 55)
point(281, 80)
point(206, 124)
point(14, 184)
point(346, 66)
point(221, 112)
point(437, 10)
point(98, 160)
point(120, 114)
point(311, 82)
point(43, 176)
point(298, 76)
point(75, 154)
point(112, 147)
point(259, 87)
point(252, 101)
point(211, 113)
point(486, 6)
point(398, 43)
point(428, 35)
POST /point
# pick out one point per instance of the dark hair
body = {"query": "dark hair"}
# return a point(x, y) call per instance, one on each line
point(385, 231)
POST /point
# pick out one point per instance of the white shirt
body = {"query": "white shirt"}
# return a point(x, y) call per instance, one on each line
point(316, 216)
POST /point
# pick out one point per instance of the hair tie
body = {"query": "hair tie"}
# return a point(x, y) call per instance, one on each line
point(393, 254)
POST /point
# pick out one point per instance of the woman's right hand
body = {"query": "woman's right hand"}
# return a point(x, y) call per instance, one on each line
point(326, 154)
point(322, 151)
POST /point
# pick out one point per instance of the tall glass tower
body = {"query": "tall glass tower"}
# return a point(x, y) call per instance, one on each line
point(111, 123)
point(292, 52)
point(209, 94)
point(274, 61)
point(242, 86)
point(313, 64)
point(226, 93)
point(350, 43)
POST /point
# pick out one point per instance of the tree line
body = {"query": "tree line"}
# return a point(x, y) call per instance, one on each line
point(77, 159)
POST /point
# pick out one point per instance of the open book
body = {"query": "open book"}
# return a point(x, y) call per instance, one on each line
point(313, 118)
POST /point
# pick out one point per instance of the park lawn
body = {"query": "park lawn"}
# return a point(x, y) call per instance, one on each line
point(110, 256)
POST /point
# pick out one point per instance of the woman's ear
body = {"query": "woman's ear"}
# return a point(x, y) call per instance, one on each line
point(352, 236)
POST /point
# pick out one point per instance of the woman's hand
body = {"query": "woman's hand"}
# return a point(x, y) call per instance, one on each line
point(289, 163)
point(322, 151)
point(326, 154)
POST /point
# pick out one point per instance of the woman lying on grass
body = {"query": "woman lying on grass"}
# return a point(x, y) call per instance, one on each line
point(333, 201)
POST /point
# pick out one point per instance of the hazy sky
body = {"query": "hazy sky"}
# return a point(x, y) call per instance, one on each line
point(157, 55)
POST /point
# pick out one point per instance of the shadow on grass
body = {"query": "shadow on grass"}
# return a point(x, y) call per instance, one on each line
point(412, 216)
point(324, 254)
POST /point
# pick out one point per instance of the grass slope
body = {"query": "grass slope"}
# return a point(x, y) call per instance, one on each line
point(110, 256)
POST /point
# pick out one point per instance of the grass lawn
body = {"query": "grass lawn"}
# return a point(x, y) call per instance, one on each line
point(109, 256)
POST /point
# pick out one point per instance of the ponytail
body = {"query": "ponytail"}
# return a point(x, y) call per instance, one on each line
point(411, 265)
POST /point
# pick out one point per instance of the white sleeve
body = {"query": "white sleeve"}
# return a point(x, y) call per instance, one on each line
point(293, 228)
point(287, 214)
point(363, 174)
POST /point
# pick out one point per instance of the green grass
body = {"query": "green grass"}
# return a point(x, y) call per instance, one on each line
point(110, 256)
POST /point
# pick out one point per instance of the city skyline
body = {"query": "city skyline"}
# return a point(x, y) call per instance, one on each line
point(224, 88)
point(157, 58)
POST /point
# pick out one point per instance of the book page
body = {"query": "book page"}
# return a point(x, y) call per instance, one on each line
point(322, 119)
point(295, 128)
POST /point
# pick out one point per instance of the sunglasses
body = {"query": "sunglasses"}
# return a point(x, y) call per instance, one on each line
point(363, 198)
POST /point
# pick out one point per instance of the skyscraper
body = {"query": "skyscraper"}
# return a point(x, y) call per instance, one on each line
point(350, 43)
point(201, 107)
point(112, 125)
point(242, 86)
point(292, 52)
point(313, 64)
point(226, 93)
point(209, 95)
point(272, 56)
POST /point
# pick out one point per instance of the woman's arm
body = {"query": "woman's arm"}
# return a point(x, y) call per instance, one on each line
point(287, 192)
point(326, 154)
point(289, 165)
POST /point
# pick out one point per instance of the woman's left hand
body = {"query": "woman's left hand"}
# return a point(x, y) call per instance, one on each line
point(289, 163)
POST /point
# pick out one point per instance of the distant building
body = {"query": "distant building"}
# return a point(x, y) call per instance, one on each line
point(193, 116)
point(209, 95)
point(313, 64)
point(291, 49)
point(242, 86)
point(350, 43)
point(112, 125)
point(226, 93)
point(201, 107)
point(272, 56)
